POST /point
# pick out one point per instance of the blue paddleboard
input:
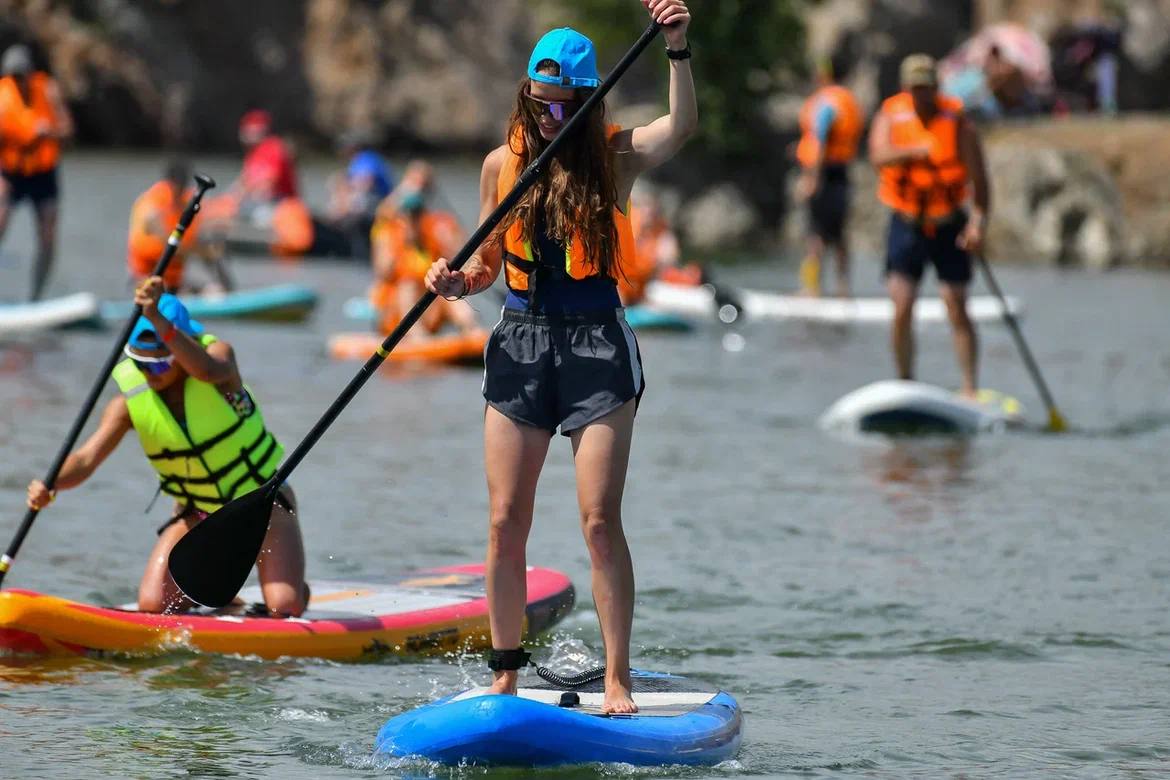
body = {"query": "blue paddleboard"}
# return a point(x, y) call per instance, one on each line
point(643, 318)
point(279, 302)
point(680, 721)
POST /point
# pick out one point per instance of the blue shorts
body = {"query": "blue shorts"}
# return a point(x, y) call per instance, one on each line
point(38, 188)
point(828, 208)
point(909, 247)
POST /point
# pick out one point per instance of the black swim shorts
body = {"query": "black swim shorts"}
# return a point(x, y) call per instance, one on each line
point(561, 370)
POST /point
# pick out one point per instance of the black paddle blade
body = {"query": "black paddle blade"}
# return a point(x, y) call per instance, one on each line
point(211, 563)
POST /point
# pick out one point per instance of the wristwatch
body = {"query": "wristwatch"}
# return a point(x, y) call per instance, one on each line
point(679, 54)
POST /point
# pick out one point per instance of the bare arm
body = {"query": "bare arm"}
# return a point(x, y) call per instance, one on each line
point(971, 154)
point(882, 152)
point(63, 119)
point(83, 461)
point(215, 364)
point(641, 148)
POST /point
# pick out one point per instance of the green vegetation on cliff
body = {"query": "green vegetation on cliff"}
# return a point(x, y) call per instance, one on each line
point(744, 49)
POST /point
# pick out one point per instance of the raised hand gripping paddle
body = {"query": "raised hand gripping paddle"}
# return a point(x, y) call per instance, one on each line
point(1056, 422)
point(211, 562)
point(202, 185)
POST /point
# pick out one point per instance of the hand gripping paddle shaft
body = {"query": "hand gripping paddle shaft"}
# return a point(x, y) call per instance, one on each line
point(213, 560)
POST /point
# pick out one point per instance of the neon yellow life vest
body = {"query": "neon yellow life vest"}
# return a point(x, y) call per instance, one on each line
point(218, 457)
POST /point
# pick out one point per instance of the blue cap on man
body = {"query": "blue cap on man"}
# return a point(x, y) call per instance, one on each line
point(144, 336)
point(573, 52)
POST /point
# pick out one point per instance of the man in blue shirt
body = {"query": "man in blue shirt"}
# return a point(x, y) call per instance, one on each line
point(355, 195)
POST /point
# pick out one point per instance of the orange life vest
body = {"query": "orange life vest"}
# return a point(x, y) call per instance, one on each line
point(21, 153)
point(636, 275)
point(157, 205)
point(519, 260)
point(930, 190)
point(844, 135)
point(292, 228)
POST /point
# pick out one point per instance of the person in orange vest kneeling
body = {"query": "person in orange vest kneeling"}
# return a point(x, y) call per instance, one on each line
point(152, 218)
point(407, 237)
point(831, 123)
point(33, 123)
point(930, 164)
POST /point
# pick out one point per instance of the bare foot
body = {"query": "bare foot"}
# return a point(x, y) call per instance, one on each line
point(970, 394)
point(618, 700)
point(505, 682)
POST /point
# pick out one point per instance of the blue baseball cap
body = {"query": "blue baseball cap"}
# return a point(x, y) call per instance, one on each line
point(144, 336)
point(573, 52)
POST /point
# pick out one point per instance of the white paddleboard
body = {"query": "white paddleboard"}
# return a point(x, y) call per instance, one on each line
point(700, 302)
point(77, 309)
point(899, 406)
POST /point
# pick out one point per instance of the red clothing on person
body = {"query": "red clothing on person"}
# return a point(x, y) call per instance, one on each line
point(270, 161)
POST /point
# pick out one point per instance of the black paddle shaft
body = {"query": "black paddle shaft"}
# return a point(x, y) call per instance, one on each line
point(526, 180)
point(202, 185)
point(1018, 335)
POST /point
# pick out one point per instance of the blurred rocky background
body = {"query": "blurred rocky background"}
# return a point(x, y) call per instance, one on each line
point(440, 75)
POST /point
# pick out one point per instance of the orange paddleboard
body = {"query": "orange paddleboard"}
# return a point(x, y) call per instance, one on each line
point(458, 348)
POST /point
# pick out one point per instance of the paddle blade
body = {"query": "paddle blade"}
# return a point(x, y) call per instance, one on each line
point(211, 563)
point(1056, 422)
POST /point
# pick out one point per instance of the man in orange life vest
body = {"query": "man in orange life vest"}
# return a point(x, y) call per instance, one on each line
point(831, 123)
point(33, 123)
point(928, 157)
point(152, 218)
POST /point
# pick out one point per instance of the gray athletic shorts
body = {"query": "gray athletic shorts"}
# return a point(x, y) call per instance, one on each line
point(561, 370)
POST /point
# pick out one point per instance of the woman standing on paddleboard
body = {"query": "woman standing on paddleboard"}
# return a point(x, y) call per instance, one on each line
point(203, 433)
point(562, 354)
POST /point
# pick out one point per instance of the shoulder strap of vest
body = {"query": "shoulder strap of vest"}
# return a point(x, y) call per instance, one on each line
point(129, 379)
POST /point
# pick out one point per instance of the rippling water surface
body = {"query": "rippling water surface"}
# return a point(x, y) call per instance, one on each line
point(918, 608)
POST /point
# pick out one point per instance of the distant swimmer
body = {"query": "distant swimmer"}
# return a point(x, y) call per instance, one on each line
point(930, 160)
point(201, 429)
point(34, 121)
point(152, 218)
point(831, 123)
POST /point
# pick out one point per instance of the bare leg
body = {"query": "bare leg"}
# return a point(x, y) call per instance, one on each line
point(460, 314)
point(514, 455)
point(408, 292)
point(601, 452)
point(157, 592)
point(5, 206)
point(46, 246)
point(282, 564)
point(810, 267)
point(841, 248)
point(214, 256)
point(5, 209)
point(963, 331)
point(903, 290)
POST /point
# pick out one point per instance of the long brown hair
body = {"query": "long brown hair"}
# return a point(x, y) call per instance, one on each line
point(578, 191)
